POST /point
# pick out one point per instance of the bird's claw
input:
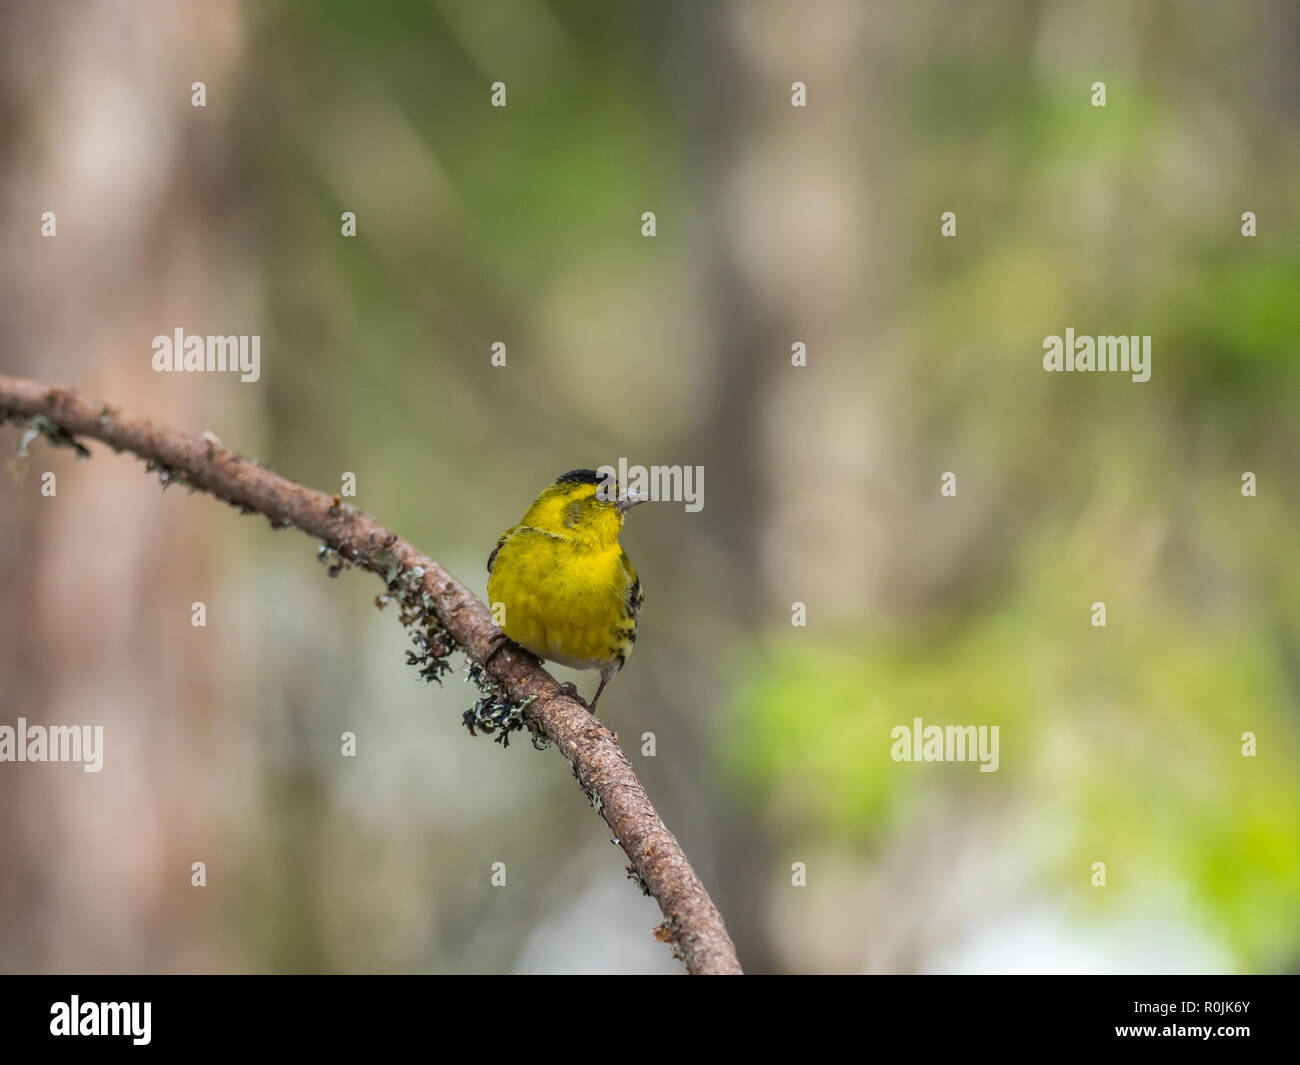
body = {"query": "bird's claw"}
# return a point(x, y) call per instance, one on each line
point(568, 688)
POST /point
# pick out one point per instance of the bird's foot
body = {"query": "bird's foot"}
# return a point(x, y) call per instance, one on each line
point(500, 642)
point(570, 689)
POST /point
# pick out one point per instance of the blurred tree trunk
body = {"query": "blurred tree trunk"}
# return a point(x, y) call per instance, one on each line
point(132, 172)
point(783, 193)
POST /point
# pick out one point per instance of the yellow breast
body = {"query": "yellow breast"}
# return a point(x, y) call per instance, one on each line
point(564, 601)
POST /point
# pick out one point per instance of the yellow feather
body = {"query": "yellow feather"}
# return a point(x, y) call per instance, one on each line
point(562, 584)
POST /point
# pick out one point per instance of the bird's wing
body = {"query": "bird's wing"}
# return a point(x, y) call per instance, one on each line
point(635, 597)
point(493, 557)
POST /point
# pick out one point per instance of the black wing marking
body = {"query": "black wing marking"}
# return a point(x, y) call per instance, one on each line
point(493, 557)
point(635, 599)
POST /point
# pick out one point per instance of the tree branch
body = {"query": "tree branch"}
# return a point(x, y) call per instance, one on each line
point(691, 921)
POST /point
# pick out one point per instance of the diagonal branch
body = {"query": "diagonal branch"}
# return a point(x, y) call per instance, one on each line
point(691, 921)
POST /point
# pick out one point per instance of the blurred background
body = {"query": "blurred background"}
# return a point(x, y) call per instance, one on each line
point(522, 225)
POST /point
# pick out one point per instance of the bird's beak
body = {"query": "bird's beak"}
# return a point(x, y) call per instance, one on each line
point(631, 498)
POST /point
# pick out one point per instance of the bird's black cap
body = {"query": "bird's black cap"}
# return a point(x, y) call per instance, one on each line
point(579, 477)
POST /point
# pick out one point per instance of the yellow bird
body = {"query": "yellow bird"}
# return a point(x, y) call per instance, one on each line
point(560, 584)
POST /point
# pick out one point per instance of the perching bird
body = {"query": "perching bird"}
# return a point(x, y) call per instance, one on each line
point(560, 583)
